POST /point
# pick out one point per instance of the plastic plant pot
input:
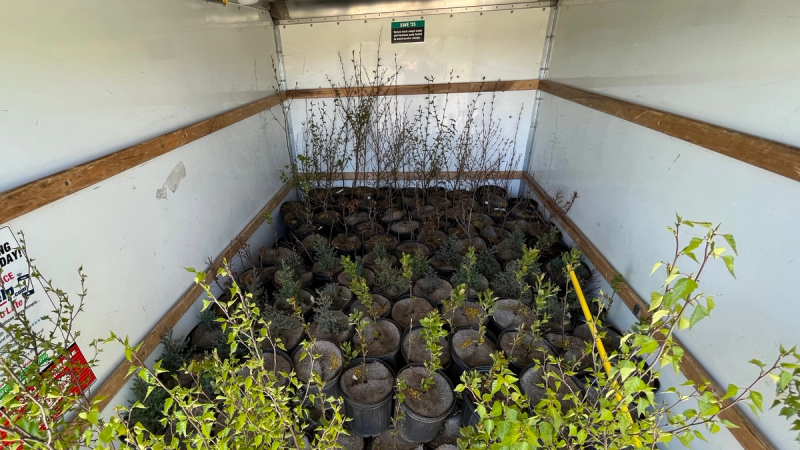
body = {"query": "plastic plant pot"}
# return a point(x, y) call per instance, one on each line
point(368, 419)
point(515, 366)
point(458, 365)
point(331, 387)
point(404, 354)
point(469, 416)
point(418, 428)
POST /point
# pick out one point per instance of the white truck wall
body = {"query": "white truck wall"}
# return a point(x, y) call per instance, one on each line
point(493, 45)
point(81, 80)
point(726, 62)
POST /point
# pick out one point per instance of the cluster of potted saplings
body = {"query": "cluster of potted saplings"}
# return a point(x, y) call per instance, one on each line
point(401, 299)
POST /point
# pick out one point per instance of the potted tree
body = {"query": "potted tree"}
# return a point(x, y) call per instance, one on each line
point(473, 347)
point(425, 396)
point(325, 261)
point(447, 258)
point(432, 287)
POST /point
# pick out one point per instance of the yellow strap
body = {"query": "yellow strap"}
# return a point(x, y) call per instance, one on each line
point(600, 348)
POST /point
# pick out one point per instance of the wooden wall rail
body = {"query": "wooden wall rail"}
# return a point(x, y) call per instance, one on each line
point(112, 385)
point(747, 434)
point(420, 89)
point(769, 155)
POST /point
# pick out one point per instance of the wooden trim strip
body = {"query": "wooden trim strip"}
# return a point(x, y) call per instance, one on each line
point(114, 383)
point(420, 89)
point(44, 191)
point(769, 155)
point(748, 435)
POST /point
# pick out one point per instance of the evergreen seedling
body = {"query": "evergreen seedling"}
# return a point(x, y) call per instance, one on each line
point(325, 255)
point(450, 252)
point(430, 282)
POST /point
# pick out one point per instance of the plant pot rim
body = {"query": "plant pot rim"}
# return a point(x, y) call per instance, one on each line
point(357, 361)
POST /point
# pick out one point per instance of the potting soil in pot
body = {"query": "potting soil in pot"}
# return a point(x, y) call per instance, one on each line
point(380, 303)
point(527, 350)
point(437, 295)
point(205, 337)
point(572, 350)
point(533, 383)
point(449, 433)
point(389, 440)
point(446, 447)
point(611, 341)
point(434, 402)
point(318, 331)
point(277, 363)
point(510, 313)
point(415, 351)
point(288, 328)
point(350, 441)
point(467, 315)
point(408, 310)
point(465, 344)
point(383, 337)
point(327, 365)
point(367, 384)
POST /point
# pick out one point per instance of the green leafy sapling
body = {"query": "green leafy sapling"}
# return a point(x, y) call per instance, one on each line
point(408, 270)
point(419, 264)
point(325, 256)
point(487, 300)
point(288, 296)
point(467, 273)
point(360, 323)
point(358, 286)
point(548, 238)
point(432, 331)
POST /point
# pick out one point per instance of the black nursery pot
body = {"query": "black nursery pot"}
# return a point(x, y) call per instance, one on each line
point(417, 428)
point(368, 419)
point(331, 387)
point(391, 358)
point(469, 416)
point(417, 326)
point(458, 366)
point(515, 367)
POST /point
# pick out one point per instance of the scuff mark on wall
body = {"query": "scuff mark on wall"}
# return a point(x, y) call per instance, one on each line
point(173, 181)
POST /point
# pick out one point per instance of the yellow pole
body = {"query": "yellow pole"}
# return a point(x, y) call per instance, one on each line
point(600, 348)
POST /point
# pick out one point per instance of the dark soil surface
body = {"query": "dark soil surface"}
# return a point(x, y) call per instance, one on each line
point(354, 219)
point(379, 302)
point(479, 221)
point(484, 284)
point(410, 248)
point(389, 440)
point(423, 212)
point(438, 264)
point(512, 225)
point(535, 229)
point(408, 310)
point(505, 252)
point(274, 255)
point(344, 297)
point(465, 344)
point(418, 353)
point(306, 302)
point(494, 201)
point(392, 215)
point(466, 315)
point(527, 350)
point(327, 217)
point(316, 269)
point(283, 366)
point(290, 337)
point(436, 296)
point(439, 202)
point(611, 341)
point(449, 433)
point(308, 242)
point(389, 242)
point(369, 261)
point(533, 377)
point(327, 365)
point(382, 337)
point(433, 238)
point(494, 234)
point(368, 229)
point(510, 313)
point(466, 243)
point(316, 331)
point(367, 384)
point(346, 242)
point(433, 403)
point(460, 232)
point(253, 278)
point(203, 338)
point(350, 441)
point(344, 279)
point(447, 447)
point(572, 350)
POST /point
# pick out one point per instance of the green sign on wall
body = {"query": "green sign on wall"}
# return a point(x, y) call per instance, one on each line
point(412, 31)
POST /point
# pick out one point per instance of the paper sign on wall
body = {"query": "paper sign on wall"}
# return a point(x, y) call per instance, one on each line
point(403, 32)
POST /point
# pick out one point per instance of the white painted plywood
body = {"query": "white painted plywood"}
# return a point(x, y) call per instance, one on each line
point(500, 45)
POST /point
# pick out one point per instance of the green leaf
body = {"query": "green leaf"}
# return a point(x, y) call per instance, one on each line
point(729, 264)
point(656, 266)
point(699, 313)
point(693, 244)
point(684, 287)
point(731, 242)
point(655, 300)
point(732, 390)
point(756, 362)
point(757, 399)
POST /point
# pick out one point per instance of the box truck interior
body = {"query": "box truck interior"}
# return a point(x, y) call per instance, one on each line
point(140, 138)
